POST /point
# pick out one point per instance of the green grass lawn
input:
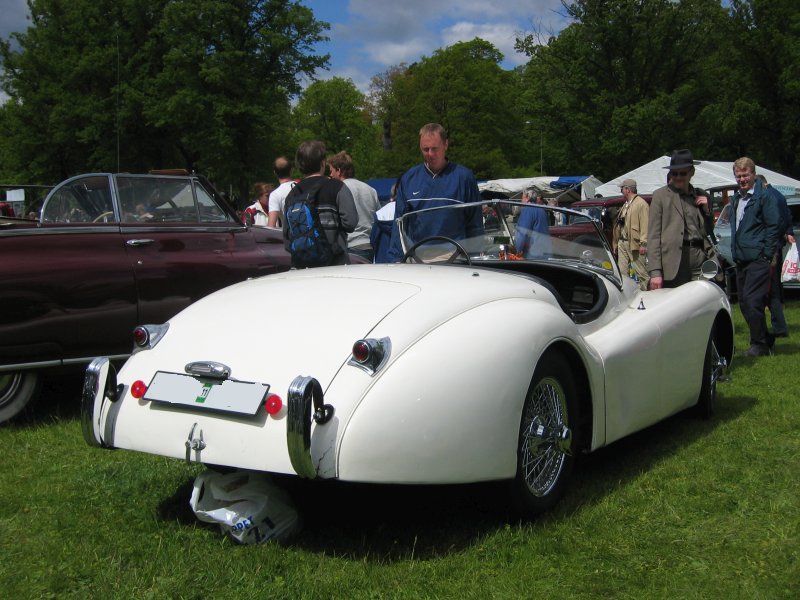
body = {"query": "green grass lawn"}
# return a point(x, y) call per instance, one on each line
point(685, 509)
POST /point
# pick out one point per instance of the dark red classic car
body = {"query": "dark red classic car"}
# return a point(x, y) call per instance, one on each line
point(111, 251)
point(604, 210)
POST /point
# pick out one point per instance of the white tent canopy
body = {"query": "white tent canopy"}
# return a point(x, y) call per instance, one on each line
point(513, 188)
point(709, 175)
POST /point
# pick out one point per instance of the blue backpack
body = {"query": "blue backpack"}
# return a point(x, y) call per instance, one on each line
point(308, 244)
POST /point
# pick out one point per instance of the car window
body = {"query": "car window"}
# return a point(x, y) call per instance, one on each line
point(82, 200)
point(166, 200)
point(209, 211)
point(724, 217)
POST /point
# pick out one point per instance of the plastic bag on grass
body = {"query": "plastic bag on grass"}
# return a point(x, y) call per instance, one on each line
point(246, 505)
point(790, 270)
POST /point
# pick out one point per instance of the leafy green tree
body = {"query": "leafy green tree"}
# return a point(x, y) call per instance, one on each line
point(201, 84)
point(335, 112)
point(624, 82)
point(464, 88)
point(756, 111)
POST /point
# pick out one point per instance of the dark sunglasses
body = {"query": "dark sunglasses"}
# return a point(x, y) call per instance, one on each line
point(679, 173)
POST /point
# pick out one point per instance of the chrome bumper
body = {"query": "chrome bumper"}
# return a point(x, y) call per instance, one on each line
point(303, 392)
point(99, 383)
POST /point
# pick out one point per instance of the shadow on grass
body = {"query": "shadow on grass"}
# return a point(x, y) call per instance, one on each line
point(59, 399)
point(384, 523)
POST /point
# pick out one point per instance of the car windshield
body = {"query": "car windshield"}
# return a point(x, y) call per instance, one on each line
point(502, 230)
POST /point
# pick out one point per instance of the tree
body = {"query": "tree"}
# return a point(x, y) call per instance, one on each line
point(464, 88)
point(335, 112)
point(757, 111)
point(624, 82)
point(201, 84)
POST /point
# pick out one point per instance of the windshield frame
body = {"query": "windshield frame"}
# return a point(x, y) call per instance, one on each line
point(584, 245)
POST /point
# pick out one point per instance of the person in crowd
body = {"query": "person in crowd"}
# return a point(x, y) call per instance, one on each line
point(436, 182)
point(776, 298)
point(630, 234)
point(677, 243)
point(256, 213)
point(532, 235)
point(381, 235)
point(755, 230)
point(282, 167)
point(334, 202)
point(366, 199)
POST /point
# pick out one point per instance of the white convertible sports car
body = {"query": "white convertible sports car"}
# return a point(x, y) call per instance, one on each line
point(469, 361)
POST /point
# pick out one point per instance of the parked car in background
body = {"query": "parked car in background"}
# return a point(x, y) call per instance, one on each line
point(111, 251)
point(471, 363)
point(722, 231)
point(602, 210)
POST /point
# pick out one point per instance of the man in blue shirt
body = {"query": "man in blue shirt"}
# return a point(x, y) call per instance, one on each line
point(436, 182)
point(532, 237)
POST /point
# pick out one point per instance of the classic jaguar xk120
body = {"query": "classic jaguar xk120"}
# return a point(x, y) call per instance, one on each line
point(469, 361)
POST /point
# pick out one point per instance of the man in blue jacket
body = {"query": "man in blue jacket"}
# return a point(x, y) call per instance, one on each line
point(436, 182)
point(755, 229)
point(779, 327)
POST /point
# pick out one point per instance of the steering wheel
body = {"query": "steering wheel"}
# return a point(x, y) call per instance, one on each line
point(102, 217)
point(458, 251)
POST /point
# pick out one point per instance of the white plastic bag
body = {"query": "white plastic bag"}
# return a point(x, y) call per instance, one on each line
point(247, 505)
point(790, 270)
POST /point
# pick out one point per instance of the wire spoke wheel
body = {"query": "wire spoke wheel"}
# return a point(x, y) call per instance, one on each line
point(546, 438)
point(545, 448)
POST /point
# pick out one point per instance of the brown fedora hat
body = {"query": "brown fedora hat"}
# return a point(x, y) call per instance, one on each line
point(681, 158)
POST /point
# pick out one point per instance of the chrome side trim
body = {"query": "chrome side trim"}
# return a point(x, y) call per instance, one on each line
point(304, 391)
point(46, 364)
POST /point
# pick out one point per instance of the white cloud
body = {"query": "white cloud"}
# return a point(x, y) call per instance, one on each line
point(501, 35)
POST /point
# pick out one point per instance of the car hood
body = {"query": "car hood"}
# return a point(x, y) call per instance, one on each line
point(275, 328)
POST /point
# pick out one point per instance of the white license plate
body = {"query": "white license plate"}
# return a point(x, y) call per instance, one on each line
point(240, 397)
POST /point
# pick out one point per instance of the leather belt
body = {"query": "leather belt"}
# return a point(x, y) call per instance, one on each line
point(693, 243)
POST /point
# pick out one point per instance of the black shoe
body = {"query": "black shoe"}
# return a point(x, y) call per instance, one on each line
point(756, 350)
point(782, 334)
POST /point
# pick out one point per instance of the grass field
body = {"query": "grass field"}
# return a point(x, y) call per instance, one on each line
point(685, 509)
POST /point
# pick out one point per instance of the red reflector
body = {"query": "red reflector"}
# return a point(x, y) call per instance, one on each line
point(138, 388)
point(273, 404)
point(361, 351)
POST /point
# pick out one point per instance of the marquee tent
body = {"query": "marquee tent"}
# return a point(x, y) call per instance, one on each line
point(565, 189)
point(709, 175)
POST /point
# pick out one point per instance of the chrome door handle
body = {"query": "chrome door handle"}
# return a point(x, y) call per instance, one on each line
point(141, 242)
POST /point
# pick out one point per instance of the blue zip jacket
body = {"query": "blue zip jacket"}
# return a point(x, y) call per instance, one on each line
point(419, 188)
point(757, 236)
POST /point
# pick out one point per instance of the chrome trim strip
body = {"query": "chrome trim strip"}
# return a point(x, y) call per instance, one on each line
point(46, 364)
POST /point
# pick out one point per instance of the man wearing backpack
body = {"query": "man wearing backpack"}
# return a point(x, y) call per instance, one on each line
point(318, 213)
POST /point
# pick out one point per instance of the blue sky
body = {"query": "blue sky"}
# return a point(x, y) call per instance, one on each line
point(369, 36)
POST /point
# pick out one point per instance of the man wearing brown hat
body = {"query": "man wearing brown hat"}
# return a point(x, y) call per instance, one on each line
point(677, 244)
point(630, 233)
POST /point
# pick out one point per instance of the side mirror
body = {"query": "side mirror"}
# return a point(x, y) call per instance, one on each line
point(709, 270)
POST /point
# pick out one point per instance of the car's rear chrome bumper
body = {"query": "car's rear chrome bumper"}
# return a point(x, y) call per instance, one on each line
point(304, 391)
point(99, 385)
